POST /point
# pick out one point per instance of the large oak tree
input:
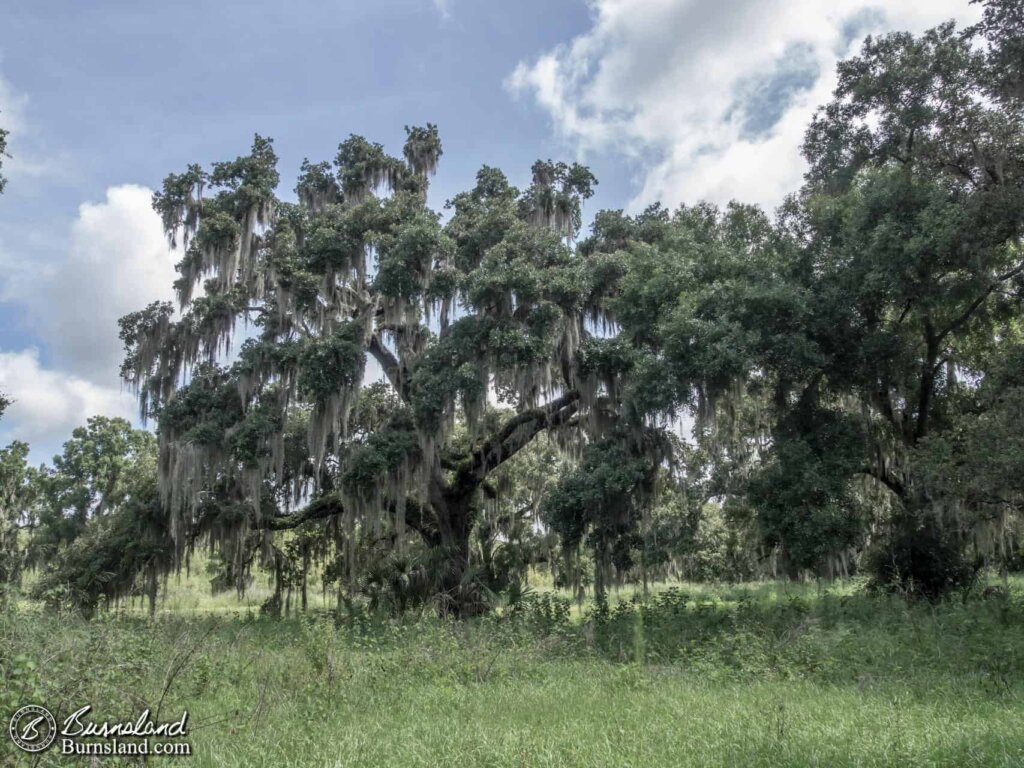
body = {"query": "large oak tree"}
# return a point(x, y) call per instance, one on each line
point(493, 305)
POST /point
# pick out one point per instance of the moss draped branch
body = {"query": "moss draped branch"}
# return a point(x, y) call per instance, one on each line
point(331, 505)
point(512, 436)
point(392, 368)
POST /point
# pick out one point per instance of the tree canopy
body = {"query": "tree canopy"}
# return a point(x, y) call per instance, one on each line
point(496, 300)
point(827, 353)
point(425, 403)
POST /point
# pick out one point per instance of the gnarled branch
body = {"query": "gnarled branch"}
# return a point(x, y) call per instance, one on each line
point(391, 366)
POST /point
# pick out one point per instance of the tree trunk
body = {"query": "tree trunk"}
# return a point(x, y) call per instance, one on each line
point(454, 510)
point(151, 590)
point(274, 603)
point(305, 572)
point(602, 568)
point(927, 384)
point(643, 566)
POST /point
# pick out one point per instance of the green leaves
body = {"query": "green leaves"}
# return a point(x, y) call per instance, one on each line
point(331, 364)
point(219, 231)
point(316, 187)
point(450, 369)
point(602, 499)
point(332, 241)
point(204, 410)
point(178, 202)
point(251, 178)
point(363, 167)
point(422, 148)
point(554, 199)
point(805, 493)
point(374, 463)
point(405, 258)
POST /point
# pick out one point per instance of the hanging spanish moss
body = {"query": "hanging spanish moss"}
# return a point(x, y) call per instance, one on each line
point(422, 149)
point(360, 267)
point(392, 385)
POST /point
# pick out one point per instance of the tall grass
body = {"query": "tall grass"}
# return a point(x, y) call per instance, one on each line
point(751, 675)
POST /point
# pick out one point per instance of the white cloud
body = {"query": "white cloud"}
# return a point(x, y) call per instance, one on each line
point(12, 108)
point(49, 403)
point(443, 8)
point(710, 99)
point(117, 262)
point(24, 160)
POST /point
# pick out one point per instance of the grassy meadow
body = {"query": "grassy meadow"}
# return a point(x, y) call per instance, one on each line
point(770, 674)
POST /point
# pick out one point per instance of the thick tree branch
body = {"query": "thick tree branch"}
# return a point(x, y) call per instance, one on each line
point(513, 435)
point(933, 342)
point(974, 305)
point(521, 438)
point(391, 366)
point(927, 387)
point(533, 415)
point(887, 480)
point(321, 508)
point(330, 505)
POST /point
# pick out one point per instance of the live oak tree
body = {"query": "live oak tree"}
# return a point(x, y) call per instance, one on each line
point(822, 351)
point(915, 211)
point(494, 304)
point(841, 360)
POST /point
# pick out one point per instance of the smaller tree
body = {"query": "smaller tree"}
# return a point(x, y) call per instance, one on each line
point(120, 554)
point(101, 534)
point(18, 491)
point(90, 478)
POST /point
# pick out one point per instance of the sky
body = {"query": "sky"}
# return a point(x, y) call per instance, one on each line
point(666, 100)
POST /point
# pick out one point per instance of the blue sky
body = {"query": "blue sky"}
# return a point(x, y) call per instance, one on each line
point(672, 100)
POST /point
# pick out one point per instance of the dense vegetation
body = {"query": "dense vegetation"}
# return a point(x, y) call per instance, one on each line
point(831, 393)
point(851, 368)
point(752, 675)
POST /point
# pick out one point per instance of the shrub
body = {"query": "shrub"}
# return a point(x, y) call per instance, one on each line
point(921, 561)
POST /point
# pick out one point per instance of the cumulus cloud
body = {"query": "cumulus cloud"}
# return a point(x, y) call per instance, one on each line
point(711, 100)
point(49, 403)
point(117, 262)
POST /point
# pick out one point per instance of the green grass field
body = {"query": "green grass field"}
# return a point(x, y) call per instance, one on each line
point(749, 675)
